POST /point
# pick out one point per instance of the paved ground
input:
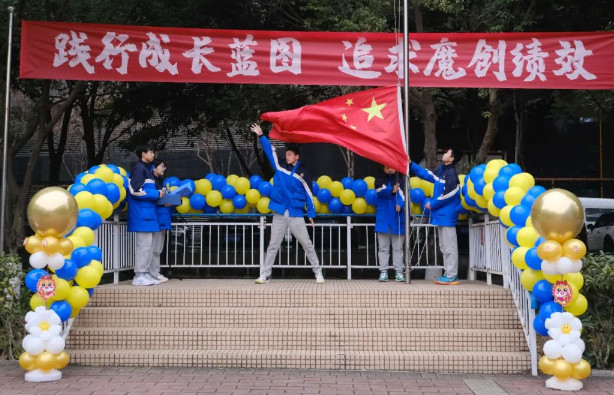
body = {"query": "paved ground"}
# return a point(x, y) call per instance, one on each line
point(80, 380)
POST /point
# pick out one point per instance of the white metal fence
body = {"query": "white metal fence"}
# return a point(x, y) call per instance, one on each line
point(490, 253)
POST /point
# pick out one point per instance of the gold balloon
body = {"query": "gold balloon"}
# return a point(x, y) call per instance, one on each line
point(61, 360)
point(52, 211)
point(581, 370)
point(558, 215)
point(549, 250)
point(50, 245)
point(32, 244)
point(546, 365)
point(27, 361)
point(562, 369)
point(574, 249)
point(66, 246)
point(45, 361)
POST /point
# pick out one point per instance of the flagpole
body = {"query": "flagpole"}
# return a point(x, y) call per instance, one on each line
point(6, 130)
point(406, 116)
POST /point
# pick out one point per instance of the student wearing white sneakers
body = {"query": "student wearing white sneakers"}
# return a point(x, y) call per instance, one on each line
point(290, 200)
point(164, 221)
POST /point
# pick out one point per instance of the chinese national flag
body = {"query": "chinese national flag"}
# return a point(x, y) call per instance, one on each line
point(369, 123)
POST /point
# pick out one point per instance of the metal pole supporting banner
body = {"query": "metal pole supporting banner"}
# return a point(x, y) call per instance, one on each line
point(407, 254)
point(5, 139)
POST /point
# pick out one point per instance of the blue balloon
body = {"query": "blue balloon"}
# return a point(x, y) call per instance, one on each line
point(228, 192)
point(470, 201)
point(499, 199)
point(239, 201)
point(533, 261)
point(510, 170)
point(95, 253)
point(126, 183)
point(359, 187)
point(218, 182)
point(114, 169)
point(324, 195)
point(209, 210)
point(511, 235)
point(79, 177)
point(97, 186)
point(112, 193)
point(371, 197)
point(539, 241)
point(536, 191)
point(76, 188)
point(335, 205)
point(314, 187)
point(501, 183)
point(477, 173)
point(197, 201)
point(62, 309)
point(347, 209)
point(519, 215)
point(32, 278)
point(546, 310)
point(172, 182)
point(479, 186)
point(68, 271)
point(528, 201)
point(516, 168)
point(93, 169)
point(210, 177)
point(542, 291)
point(417, 195)
point(190, 184)
point(347, 182)
point(254, 181)
point(89, 218)
point(81, 257)
point(90, 291)
point(265, 188)
point(540, 326)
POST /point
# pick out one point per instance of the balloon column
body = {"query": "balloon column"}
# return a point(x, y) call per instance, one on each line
point(66, 264)
point(540, 228)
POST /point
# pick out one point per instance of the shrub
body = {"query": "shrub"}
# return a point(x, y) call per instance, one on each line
point(13, 306)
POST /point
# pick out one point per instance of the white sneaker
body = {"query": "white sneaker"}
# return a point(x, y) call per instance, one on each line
point(152, 278)
point(161, 278)
point(319, 278)
point(142, 280)
point(262, 280)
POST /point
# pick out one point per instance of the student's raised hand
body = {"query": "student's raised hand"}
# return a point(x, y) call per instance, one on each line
point(256, 129)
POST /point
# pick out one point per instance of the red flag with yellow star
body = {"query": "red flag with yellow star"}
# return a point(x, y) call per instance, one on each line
point(370, 123)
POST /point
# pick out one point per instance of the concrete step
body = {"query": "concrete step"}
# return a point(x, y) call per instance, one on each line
point(242, 317)
point(418, 361)
point(316, 339)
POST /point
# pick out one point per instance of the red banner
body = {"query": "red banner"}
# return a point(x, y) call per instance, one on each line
point(75, 51)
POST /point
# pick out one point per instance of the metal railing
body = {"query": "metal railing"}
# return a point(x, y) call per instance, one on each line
point(490, 253)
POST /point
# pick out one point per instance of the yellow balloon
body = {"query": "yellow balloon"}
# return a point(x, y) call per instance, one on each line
point(529, 222)
point(324, 181)
point(496, 164)
point(87, 277)
point(203, 186)
point(562, 369)
point(50, 245)
point(118, 180)
point(232, 179)
point(242, 185)
point(61, 360)
point(32, 244)
point(416, 209)
point(66, 246)
point(529, 277)
point(427, 187)
point(578, 306)
point(87, 178)
point(581, 370)
point(504, 215)
point(481, 201)
point(213, 198)
point(558, 215)
point(62, 288)
point(36, 301)
point(77, 297)
point(370, 182)
point(549, 250)
point(105, 174)
point(76, 241)
point(414, 182)
point(347, 197)
point(122, 171)
point(513, 196)
point(359, 205)
point(252, 196)
point(490, 174)
point(107, 210)
point(574, 249)
point(576, 279)
point(546, 365)
point(122, 194)
point(524, 181)
point(370, 209)
point(461, 179)
point(226, 206)
point(85, 200)
point(98, 266)
point(100, 205)
point(527, 237)
point(316, 204)
point(86, 234)
point(263, 205)
point(492, 209)
point(45, 361)
point(52, 211)
point(335, 188)
point(27, 361)
point(243, 210)
point(471, 190)
point(518, 258)
point(464, 204)
point(552, 278)
point(488, 191)
point(324, 209)
point(184, 207)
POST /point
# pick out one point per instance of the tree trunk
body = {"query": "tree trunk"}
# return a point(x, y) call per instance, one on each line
point(429, 126)
point(56, 155)
point(235, 149)
point(518, 116)
point(493, 126)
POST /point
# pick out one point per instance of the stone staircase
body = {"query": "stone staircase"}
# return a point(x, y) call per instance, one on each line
point(351, 325)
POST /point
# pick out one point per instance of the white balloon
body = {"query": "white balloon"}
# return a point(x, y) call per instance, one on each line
point(576, 266)
point(38, 260)
point(56, 344)
point(33, 345)
point(549, 267)
point(572, 353)
point(580, 344)
point(564, 265)
point(56, 261)
point(553, 349)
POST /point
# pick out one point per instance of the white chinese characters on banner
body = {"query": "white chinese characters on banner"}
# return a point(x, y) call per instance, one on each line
point(198, 55)
point(395, 54)
point(486, 56)
point(241, 54)
point(114, 46)
point(444, 57)
point(157, 57)
point(533, 62)
point(72, 50)
point(285, 55)
point(571, 60)
point(362, 60)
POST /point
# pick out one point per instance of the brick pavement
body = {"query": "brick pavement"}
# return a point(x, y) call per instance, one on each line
point(80, 380)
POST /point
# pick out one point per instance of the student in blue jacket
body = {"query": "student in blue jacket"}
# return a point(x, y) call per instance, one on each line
point(390, 222)
point(290, 200)
point(164, 221)
point(444, 206)
point(142, 214)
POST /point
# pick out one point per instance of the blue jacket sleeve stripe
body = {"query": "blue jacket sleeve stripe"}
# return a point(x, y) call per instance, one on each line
point(311, 211)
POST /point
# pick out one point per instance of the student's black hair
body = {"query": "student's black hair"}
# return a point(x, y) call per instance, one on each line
point(143, 148)
point(294, 148)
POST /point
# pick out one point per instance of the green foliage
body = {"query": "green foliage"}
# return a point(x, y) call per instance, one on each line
point(598, 322)
point(13, 306)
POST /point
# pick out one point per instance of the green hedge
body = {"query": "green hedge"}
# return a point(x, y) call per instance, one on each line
point(14, 304)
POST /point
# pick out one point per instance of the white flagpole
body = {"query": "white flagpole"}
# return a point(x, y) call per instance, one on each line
point(6, 129)
point(407, 255)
